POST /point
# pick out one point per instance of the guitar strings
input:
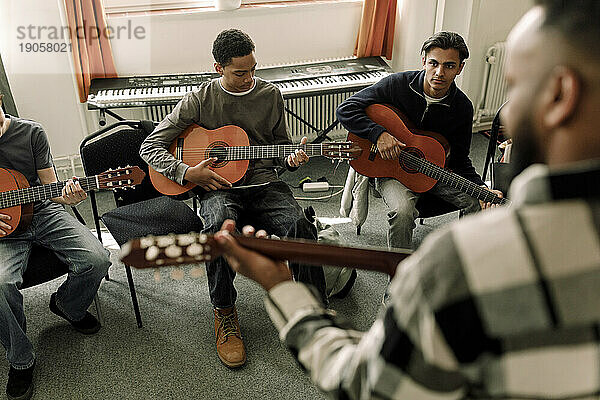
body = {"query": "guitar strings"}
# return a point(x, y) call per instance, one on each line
point(422, 164)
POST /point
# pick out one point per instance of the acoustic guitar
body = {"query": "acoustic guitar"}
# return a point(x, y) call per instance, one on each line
point(231, 148)
point(420, 164)
point(190, 248)
point(17, 197)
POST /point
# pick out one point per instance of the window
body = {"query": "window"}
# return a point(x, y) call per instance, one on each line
point(146, 5)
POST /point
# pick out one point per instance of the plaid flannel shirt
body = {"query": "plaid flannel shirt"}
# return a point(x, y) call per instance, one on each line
point(504, 304)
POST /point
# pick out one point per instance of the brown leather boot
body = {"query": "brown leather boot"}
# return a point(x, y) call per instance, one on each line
point(230, 346)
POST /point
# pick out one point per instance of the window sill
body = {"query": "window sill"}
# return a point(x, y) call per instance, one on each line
point(254, 6)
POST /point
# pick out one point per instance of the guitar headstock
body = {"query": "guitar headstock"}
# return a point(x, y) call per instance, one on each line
point(121, 178)
point(342, 150)
point(174, 249)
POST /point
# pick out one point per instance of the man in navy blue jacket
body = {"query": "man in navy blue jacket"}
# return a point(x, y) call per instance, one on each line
point(433, 102)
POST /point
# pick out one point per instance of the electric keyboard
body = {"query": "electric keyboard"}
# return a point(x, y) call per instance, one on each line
point(294, 81)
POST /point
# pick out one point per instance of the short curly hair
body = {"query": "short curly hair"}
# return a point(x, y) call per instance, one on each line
point(231, 43)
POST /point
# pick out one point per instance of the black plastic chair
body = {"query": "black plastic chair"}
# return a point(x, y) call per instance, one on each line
point(111, 147)
point(493, 143)
point(44, 265)
point(500, 172)
point(140, 211)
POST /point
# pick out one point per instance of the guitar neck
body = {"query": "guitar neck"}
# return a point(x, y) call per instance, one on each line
point(323, 254)
point(150, 252)
point(17, 197)
point(451, 179)
point(271, 151)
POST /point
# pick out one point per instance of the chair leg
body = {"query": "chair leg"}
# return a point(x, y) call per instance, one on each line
point(136, 307)
point(357, 230)
point(98, 309)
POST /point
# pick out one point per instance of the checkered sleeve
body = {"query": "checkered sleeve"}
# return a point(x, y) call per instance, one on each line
point(405, 354)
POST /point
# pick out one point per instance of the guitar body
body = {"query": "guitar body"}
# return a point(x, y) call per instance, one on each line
point(195, 145)
point(430, 146)
point(20, 215)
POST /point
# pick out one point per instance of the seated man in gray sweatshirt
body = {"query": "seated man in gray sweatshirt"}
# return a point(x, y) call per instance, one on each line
point(236, 98)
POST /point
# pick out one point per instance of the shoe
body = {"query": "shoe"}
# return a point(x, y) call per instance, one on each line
point(20, 383)
point(230, 346)
point(346, 289)
point(88, 325)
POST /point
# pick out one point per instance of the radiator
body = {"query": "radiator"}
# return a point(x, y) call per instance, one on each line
point(305, 116)
point(493, 90)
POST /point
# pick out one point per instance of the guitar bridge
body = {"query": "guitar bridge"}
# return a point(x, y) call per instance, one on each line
point(179, 149)
point(372, 152)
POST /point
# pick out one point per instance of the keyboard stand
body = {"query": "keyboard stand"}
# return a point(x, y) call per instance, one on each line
point(102, 116)
point(321, 134)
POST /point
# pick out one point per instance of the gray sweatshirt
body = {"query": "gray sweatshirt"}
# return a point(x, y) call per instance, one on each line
point(260, 113)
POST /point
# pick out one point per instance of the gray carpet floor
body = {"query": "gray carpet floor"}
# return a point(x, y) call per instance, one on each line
point(173, 355)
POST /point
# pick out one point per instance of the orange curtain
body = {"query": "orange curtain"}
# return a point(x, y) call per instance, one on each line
point(92, 54)
point(376, 32)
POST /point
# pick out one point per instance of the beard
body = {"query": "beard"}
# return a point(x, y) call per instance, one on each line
point(525, 149)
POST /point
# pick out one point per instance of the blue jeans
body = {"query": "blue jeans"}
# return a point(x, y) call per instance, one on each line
point(271, 207)
point(74, 244)
point(402, 212)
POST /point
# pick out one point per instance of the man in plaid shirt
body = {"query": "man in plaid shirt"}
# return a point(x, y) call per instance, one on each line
point(505, 304)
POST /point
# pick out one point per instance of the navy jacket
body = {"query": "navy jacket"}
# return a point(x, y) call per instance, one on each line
point(452, 117)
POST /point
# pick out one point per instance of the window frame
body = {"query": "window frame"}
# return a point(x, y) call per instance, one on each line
point(115, 6)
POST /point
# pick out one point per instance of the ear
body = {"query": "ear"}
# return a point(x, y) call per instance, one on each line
point(561, 97)
point(424, 60)
point(460, 68)
point(219, 68)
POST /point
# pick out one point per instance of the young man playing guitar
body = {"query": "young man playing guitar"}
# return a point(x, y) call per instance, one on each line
point(236, 98)
point(431, 101)
point(24, 148)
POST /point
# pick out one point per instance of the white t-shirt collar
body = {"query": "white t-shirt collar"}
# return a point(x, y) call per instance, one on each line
point(237, 93)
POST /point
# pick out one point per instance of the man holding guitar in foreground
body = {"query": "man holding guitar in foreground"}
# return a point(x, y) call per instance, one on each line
point(503, 305)
point(236, 98)
point(430, 100)
point(24, 148)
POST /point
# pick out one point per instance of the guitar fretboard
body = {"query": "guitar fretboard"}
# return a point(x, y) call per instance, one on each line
point(271, 151)
point(451, 179)
point(16, 197)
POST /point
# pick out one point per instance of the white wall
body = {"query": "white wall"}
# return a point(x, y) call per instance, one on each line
point(43, 87)
point(490, 22)
point(415, 23)
point(183, 42)
point(480, 22)
point(41, 83)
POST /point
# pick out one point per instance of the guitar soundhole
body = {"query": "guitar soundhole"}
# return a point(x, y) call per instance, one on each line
point(407, 159)
point(218, 150)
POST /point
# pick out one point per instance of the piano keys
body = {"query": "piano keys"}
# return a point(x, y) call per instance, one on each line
point(294, 81)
